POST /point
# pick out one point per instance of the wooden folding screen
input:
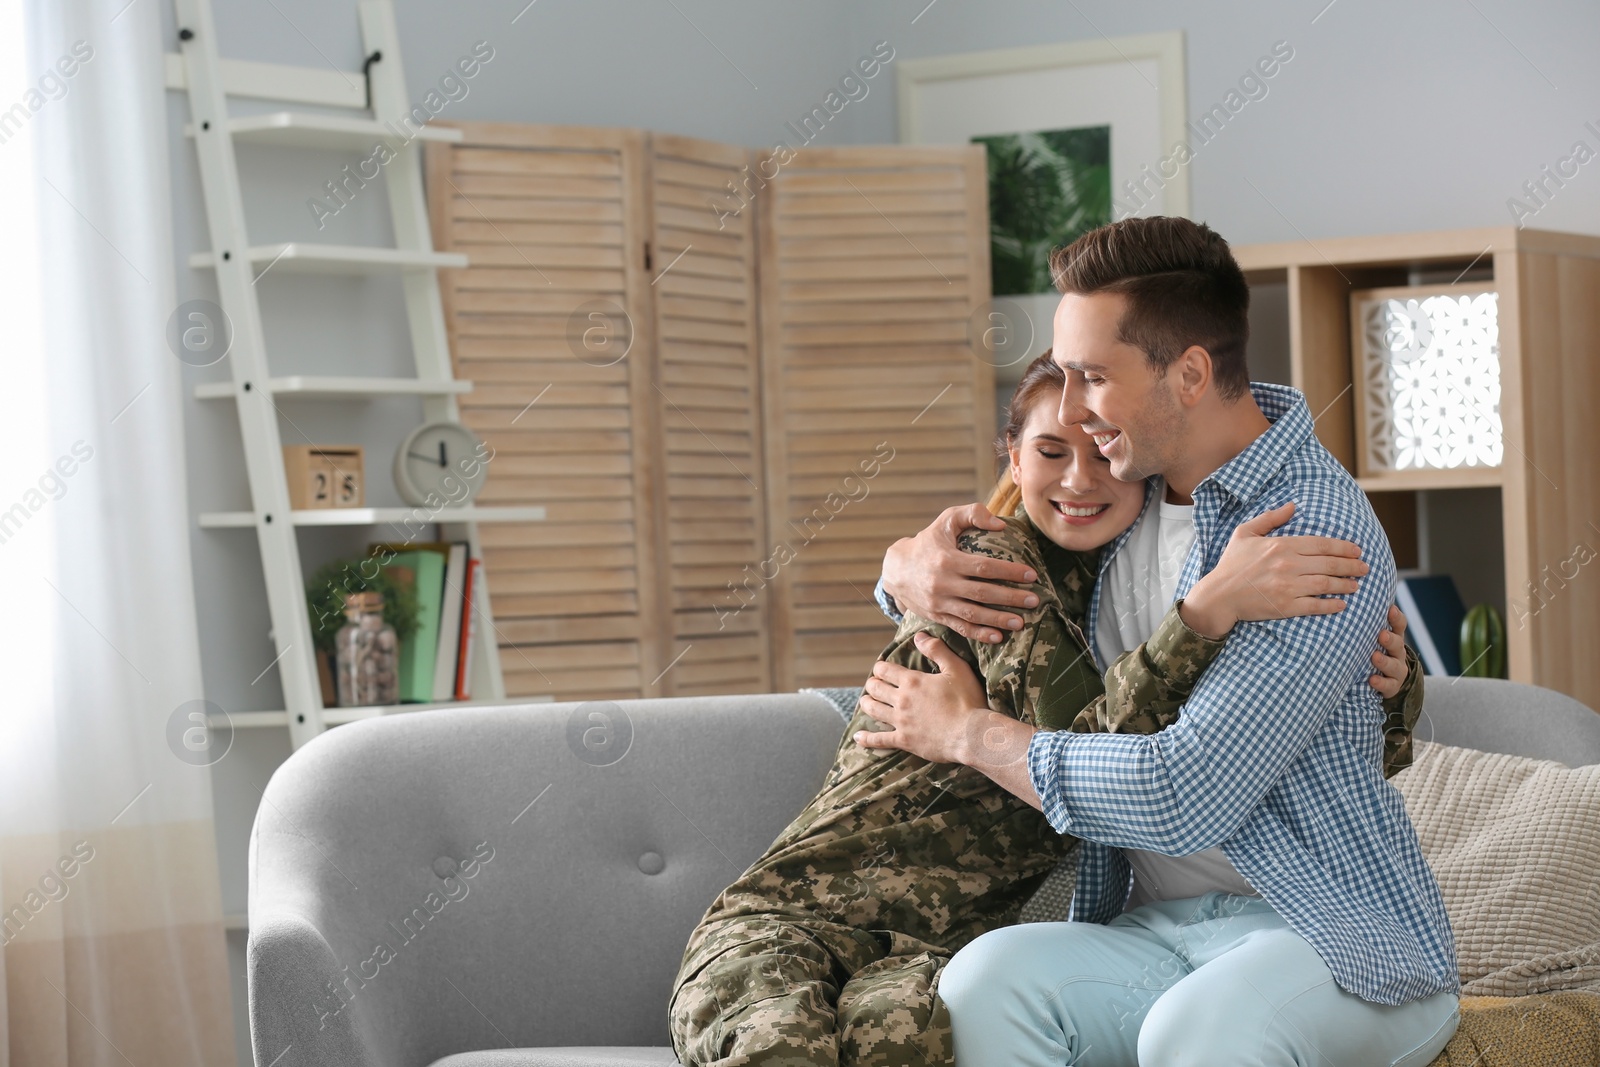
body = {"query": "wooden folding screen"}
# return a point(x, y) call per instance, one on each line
point(555, 226)
point(873, 262)
point(709, 409)
point(720, 495)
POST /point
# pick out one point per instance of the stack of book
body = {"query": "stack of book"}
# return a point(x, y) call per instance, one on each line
point(436, 660)
point(1434, 613)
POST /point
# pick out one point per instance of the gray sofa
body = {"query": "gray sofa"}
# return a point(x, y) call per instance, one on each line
point(513, 886)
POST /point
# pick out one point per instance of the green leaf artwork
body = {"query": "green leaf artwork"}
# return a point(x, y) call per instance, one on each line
point(1045, 189)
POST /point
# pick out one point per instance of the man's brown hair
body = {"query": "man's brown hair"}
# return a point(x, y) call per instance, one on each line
point(1183, 288)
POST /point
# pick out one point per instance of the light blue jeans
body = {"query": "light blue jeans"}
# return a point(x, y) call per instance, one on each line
point(1216, 980)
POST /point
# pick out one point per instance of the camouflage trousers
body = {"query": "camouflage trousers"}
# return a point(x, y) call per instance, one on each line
point(789, 991)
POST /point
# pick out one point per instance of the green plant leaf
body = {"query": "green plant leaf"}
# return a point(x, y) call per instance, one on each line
point(325, 598)
point(1046, 189)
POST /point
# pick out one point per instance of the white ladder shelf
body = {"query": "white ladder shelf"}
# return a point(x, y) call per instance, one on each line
point(210, 80)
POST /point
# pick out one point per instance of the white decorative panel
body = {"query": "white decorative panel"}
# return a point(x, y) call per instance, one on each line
point(1429, 368)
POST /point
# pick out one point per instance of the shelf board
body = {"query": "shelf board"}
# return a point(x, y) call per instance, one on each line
point(235, 921)
point(245, 720)
point(291, 129)
point(221, 520)
point(1383, 250)
point(305, 258)
point(324, 87)
point(1414, 249)
point(319, 388)
point(1454, 478)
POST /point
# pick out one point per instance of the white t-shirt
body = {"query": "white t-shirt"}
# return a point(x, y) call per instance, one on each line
point(1142, 580)
point(1135, 593)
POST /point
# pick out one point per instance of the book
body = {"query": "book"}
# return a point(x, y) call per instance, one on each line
point(325, 667)
point(469, 628)
point(449, 643)
point(1434, 613)
point(420, 650)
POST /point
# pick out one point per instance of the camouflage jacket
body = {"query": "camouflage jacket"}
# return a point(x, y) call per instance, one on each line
point(901, 848)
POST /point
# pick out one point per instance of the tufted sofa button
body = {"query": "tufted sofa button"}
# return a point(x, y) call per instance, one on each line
point(652, 863)
point(444, 866)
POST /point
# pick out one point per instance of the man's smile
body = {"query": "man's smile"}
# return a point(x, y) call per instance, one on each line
point(1103, 438)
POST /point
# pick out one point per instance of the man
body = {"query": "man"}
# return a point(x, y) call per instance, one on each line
point(1283, 912)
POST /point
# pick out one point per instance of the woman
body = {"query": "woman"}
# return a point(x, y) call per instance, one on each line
point(828, 949)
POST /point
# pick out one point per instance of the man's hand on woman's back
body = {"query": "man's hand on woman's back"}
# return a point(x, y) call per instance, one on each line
point(929, 575)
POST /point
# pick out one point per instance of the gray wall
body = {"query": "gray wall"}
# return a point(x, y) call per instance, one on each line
point(1389, 118)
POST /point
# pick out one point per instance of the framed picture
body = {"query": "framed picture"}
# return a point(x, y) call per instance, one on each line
point(1070, 130)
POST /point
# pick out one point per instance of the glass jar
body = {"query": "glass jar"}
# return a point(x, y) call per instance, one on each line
point(366, 654)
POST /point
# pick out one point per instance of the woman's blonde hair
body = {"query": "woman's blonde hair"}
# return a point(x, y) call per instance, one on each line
point(1042, 376)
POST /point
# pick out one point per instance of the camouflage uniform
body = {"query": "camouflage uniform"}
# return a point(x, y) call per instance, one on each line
point(828, 949)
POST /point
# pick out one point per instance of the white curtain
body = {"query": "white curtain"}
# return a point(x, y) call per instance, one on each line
point(110, 915)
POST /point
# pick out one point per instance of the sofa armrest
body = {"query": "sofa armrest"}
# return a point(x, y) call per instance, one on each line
point(479, 878)
point(294, 996)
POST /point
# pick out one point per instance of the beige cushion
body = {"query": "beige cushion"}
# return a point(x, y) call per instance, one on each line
point(1515, 844)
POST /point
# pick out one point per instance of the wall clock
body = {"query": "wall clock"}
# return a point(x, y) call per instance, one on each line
point(439, 464)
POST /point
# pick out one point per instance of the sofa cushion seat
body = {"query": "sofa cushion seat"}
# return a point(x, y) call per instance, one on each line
point(567, 1056)
point(1494, 1033)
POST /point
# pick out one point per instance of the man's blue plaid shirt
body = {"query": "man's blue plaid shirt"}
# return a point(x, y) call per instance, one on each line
point(1277, 756)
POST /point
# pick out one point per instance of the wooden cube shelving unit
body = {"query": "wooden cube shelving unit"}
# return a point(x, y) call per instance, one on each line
point(1549, 483)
